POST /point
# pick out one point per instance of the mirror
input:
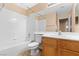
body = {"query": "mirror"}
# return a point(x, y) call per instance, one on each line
point(63, 17)
point(77, 18)
point(68, 16)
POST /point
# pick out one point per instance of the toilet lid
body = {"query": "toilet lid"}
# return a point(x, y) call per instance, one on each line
point(32, 44)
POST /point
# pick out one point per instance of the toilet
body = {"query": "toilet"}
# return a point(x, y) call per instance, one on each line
point(34, 46)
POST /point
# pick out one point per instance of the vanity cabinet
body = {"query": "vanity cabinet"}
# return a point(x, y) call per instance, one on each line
point(59, 47)
point(69, 45)
point(65, 52)
point(49, 50)
point(49, 47)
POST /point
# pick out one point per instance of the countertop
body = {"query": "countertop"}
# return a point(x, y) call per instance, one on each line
point(64, 35)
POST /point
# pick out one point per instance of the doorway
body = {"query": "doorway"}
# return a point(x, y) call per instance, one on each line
point(63, 25)
point(42, 25)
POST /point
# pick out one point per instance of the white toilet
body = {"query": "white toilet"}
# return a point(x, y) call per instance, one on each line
point(34, 46)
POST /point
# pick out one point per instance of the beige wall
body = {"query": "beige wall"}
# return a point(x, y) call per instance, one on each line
point(50, 21)
point(77, 28)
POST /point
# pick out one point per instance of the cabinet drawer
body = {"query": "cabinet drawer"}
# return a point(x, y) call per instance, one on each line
point(49, 41)
point(71, 45)
point(68, 53)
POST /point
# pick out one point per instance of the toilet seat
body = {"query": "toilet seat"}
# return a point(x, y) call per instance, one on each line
point(33, 45)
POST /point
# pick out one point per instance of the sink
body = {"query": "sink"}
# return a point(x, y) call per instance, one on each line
point(64, 35)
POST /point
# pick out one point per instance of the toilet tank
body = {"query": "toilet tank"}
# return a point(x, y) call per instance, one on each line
point(38, 38)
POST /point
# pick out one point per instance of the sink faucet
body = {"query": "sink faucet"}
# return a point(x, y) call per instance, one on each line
point(59, 32)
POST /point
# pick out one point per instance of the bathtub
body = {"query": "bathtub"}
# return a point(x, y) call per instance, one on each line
point(12, 48)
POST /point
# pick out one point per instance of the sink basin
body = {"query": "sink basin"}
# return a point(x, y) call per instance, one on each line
point(64, 35)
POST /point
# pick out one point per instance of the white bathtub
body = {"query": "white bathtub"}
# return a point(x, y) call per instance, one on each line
point(12, 48)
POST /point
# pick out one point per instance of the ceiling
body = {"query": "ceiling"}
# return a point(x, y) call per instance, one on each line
point(30, 5)
point(26, 5)
point(60, 9)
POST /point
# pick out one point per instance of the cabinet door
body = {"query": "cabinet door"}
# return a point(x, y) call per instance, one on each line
point(49, 51)
point(70, 45)
point(68, 53)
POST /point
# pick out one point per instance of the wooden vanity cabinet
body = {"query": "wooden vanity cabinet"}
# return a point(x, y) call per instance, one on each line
point(59, 47)
point(68, 48)
point(49, 50)
point(69, 45)
point(65, 52)
point(49, 47)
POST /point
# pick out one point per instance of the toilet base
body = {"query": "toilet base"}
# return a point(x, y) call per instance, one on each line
point(35, 52)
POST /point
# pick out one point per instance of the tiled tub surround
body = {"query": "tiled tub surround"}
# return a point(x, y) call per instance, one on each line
point(12, 48)
point(12, 32)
